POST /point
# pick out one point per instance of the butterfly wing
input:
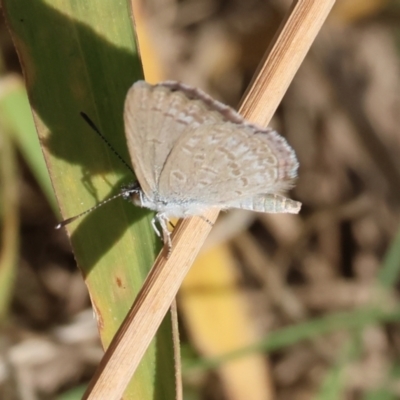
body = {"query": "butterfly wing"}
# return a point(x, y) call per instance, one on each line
point(156, 116)
point(219, 163)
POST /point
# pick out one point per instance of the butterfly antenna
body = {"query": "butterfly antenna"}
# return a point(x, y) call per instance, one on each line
point(72, 219)
point(97, 130)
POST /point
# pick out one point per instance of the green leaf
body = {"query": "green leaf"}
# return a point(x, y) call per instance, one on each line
point(80, 56)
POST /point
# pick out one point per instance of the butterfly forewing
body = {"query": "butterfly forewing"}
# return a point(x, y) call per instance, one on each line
point(137, 102)
point(155, 118)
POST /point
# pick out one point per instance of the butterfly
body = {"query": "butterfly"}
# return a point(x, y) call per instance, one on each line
point(191, 153)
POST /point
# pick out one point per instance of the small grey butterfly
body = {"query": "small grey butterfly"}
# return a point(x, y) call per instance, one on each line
point(191, 153)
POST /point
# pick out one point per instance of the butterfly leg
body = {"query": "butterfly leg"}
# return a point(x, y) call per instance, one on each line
point(172, 225)
point(153, 224)
point(166, 237)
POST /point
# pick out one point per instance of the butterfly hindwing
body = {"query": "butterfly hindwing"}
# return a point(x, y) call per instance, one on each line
point(218, 163)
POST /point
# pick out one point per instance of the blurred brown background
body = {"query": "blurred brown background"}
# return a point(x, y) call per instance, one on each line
point(342, 116)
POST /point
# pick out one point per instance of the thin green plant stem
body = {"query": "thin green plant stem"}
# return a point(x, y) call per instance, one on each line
point(389, 274)
point(357, 319)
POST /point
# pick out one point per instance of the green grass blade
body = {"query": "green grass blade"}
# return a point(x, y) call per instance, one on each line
point(334, 382)
point(389, 273)
point(15, 111)
point(350, 320)
point(9, 217)
point(80, 56)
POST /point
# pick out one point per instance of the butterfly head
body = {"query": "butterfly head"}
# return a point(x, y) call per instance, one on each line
point(133, 192)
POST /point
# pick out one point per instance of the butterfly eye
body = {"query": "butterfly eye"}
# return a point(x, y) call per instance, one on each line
point(135, 199)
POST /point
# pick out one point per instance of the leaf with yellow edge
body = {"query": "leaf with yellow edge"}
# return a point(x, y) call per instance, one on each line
point(80, 56)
